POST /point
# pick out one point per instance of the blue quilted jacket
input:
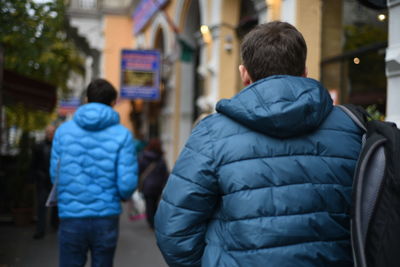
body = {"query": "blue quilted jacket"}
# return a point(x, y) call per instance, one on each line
point(95, 161)
point(266, 181)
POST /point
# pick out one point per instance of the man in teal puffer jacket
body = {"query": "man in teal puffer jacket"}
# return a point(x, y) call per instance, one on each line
point(266, 181)
point(93, 162)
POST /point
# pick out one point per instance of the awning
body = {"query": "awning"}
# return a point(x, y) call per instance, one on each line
point(30, 92)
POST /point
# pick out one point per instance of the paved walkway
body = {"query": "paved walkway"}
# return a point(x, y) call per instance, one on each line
point(136, 247)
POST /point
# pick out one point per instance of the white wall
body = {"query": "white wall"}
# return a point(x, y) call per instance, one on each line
point(393, 65)
point(288, 11)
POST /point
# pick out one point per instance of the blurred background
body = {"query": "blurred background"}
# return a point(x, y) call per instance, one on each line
point(171, 60)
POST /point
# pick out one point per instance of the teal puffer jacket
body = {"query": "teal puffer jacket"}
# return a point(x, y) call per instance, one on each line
point(97, 163)
point(264, 182)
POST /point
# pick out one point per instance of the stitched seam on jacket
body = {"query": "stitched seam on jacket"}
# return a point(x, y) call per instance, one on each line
point(118, 162)
point(342, 131)
point(179, 207)
point(211, 141)
point(284, 185)
point(213, 165)
point(197, 152)
point(248, 130)
point(288, 156)
point(283, 215)
point(183, 235)
point(244, 105)
point(186, 179)
point(258, 96)
point(121, 145)
point(294, 244)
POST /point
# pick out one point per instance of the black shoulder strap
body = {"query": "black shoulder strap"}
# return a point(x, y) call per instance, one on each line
point(377, 168)
point(382, 242)
point(391, 133)
point(357, 113)
point(368, 177)
point(364, 192)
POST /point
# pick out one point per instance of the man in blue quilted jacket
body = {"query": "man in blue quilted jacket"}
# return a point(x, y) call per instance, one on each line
point(93, 163)
point(265, 181)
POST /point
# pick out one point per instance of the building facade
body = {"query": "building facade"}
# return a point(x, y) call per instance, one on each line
point(199, 42)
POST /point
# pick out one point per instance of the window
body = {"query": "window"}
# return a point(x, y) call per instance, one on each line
point(353, 51)
point(87, 4)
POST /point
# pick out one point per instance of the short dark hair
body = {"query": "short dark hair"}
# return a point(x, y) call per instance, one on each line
point(101, 91)
point(274, 48)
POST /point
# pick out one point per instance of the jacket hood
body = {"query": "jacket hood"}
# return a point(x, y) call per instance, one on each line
point(95, 116)
point(280, 106)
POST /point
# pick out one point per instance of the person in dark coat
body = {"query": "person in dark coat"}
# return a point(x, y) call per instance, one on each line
point(153, 174)
point(40, 170)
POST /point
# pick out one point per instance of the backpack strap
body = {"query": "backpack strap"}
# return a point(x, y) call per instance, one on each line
point(368, 179)
point(375, 185)
point(391, 133)
point(357, 114)
point(365, 188)
point(383, 240)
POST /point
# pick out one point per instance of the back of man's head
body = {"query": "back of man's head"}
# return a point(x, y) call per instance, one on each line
point(101, 91)
point(275, 48)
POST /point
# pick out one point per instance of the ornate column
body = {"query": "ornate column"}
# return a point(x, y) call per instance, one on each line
point(393, 63)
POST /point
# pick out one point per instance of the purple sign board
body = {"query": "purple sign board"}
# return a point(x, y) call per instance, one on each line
point(144, 12)
point(68, 106)
point(140, 74)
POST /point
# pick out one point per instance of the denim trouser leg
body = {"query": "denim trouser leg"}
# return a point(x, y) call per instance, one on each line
point(78, 235)
point(73, 243)
point(104, 241)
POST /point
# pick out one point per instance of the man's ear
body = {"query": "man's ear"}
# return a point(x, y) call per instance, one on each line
point(244, 75)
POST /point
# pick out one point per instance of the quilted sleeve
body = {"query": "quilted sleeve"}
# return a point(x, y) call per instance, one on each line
point(127, 168)
point(55, 155)
point(188, 202)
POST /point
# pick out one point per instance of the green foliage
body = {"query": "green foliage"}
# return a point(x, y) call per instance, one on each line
point(361, 35)
point(35, 41)
point(36, 44)
point(375, 113)
point(34, 37)
point(26, 119)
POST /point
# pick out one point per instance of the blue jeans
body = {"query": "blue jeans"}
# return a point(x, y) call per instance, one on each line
point(79, 235)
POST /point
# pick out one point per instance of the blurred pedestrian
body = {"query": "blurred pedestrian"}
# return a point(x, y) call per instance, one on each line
point(40, 171)
point(153, 176)
point(97, 169)
point(140, 143)
point(136, 204)
point(266, 181)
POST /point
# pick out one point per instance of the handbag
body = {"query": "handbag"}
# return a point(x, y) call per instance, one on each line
point(52, 199)
point(138, 205)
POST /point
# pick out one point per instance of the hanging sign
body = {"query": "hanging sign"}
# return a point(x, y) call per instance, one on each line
point(144, 12)
point(140, 74)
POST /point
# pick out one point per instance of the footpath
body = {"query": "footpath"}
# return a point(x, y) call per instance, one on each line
point(136, 246)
